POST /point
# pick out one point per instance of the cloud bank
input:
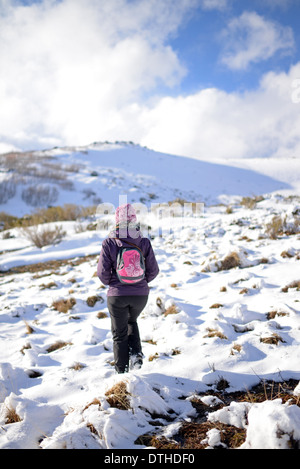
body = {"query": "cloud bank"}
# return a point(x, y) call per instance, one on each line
point(73, 72)
point(216, 124)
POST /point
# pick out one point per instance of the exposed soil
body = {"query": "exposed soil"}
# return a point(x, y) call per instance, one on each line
point(193, 435)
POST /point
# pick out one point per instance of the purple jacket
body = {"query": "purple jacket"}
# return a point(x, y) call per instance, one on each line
point(108, 262)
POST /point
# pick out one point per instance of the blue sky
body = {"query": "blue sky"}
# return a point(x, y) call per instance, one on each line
point(201, 78)
point(200, 45)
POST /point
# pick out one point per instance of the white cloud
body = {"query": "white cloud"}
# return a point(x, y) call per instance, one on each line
point(251, 38)
point(66, 68)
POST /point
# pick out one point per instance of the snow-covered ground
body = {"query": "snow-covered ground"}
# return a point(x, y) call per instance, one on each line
point(236, 324)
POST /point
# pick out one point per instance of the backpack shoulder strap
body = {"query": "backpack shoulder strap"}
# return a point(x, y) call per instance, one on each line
point(134, 245)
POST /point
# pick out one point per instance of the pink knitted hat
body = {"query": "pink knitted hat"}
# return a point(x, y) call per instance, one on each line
point(125, 214)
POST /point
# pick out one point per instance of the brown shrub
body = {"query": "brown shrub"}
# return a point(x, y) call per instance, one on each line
point(278, 226)
point(41, 194)
point(7, 191)
point(250, 202)
point(43, 236)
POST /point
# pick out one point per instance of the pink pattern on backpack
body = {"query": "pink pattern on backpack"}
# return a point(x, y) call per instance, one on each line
point(131, 267)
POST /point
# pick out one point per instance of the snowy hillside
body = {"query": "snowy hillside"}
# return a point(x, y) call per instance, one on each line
point(103, 171)
point(223, 315)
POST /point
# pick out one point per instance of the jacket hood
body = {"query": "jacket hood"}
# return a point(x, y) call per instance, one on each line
point(125, 232)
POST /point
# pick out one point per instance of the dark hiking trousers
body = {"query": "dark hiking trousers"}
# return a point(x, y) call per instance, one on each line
point(124, 311)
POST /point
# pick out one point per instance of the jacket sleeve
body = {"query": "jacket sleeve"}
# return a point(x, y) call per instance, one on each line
point(104, 269)
point(152, 268)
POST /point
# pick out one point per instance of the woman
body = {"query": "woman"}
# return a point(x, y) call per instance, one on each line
point(126, 301)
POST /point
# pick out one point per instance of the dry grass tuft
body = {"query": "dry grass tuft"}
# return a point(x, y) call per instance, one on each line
point(102, 315)
point(273, 314)
point(29, 329)
point(92, 300)
point(153, 357)
point(216, 306)
point(231, 261)
point(93, 402)
point(11, 416)
point(286, 254)
point(118, 396)
point(63, 306)
point(49, 285)
point(237, 348)
point(92, 429)
point(57, 345)
point(171, 310)
point(264, 260)
point(25, 347)
point(160, 304)
point(53, 265)
point(294, 284)
point(77, 366)
point(150, 341)
point(274, 339)
point(195, 435)
point(215, 333)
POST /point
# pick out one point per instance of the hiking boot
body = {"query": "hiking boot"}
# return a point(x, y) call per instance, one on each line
point(136, 361)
